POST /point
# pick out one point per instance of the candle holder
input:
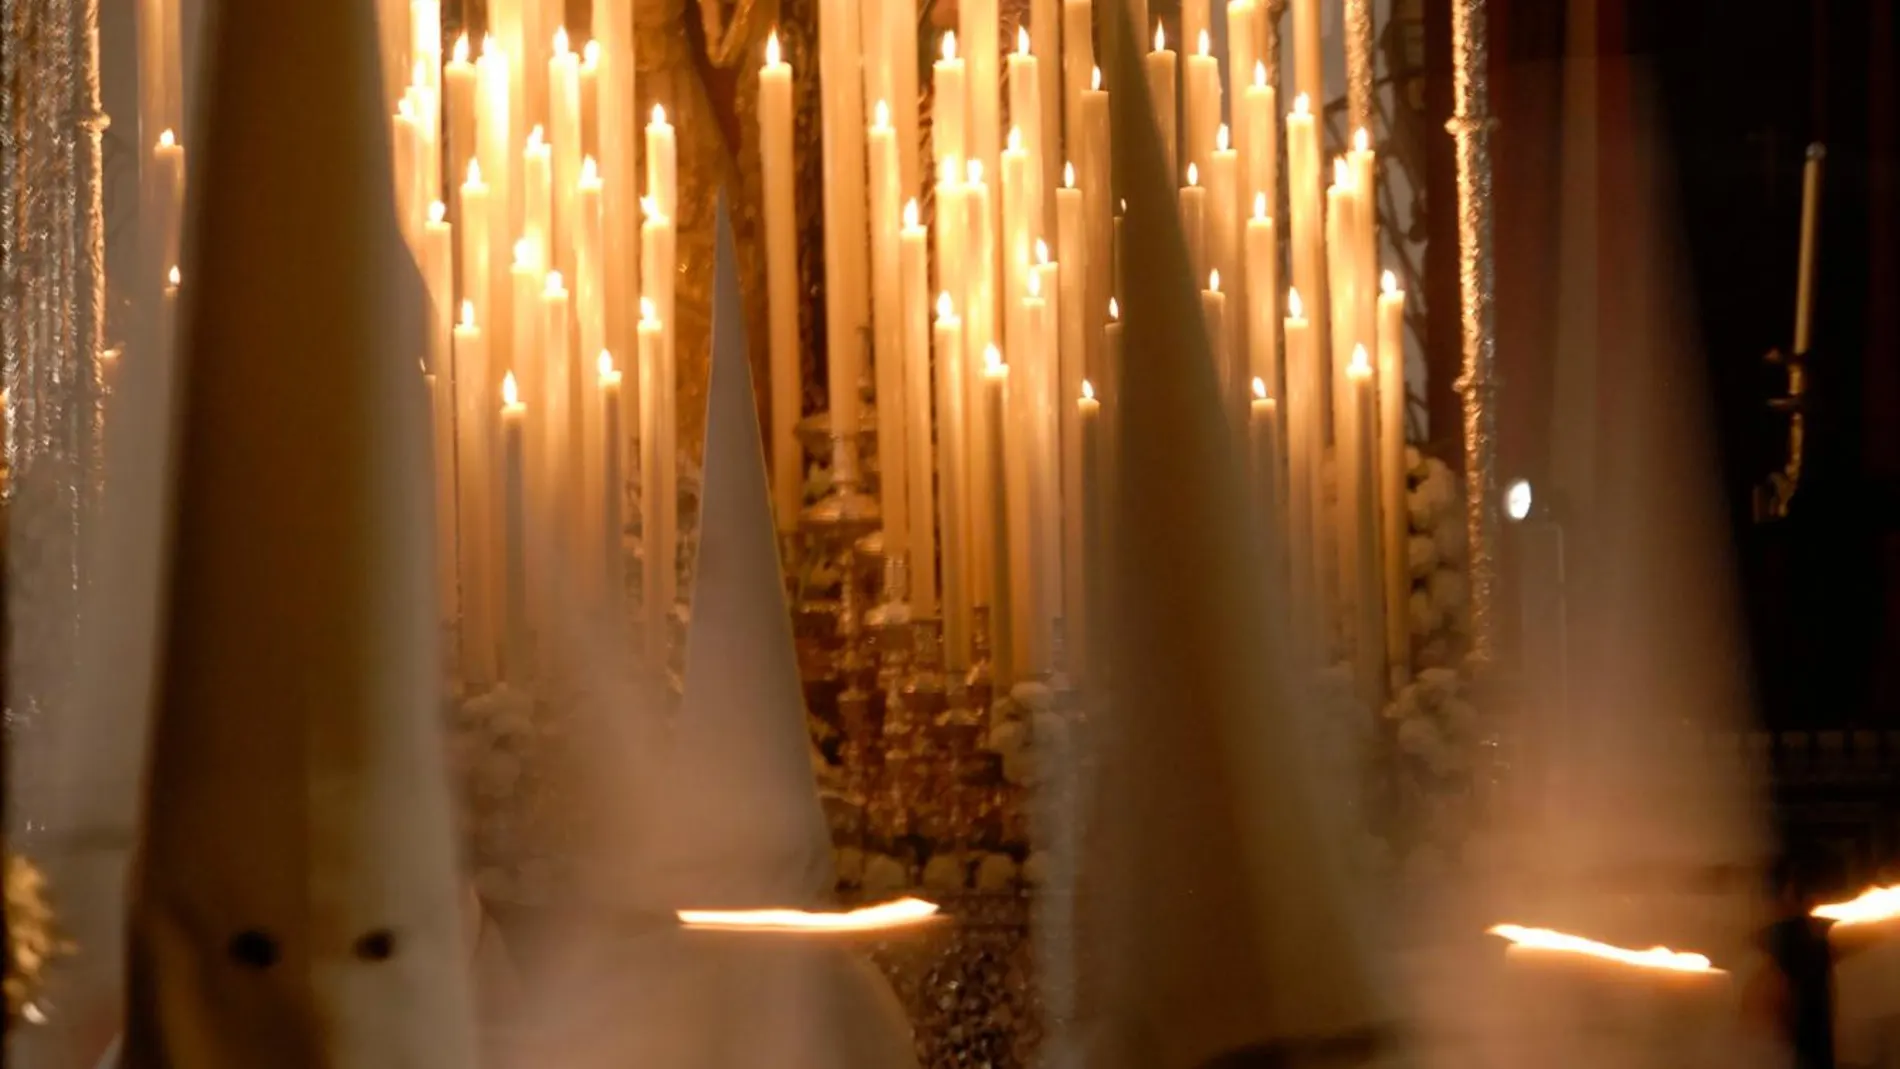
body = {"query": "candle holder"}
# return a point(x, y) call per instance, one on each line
point(845, 514)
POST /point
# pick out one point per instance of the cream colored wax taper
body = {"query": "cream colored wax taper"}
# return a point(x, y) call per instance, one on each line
point(1025, 133)
point(900, 30)
point(1214, 319)
point(612, 486)
point(995, 449)
point(620, 184)
point(1071, 238)
point(1200, 101)
point(476, 517)
point(1051, 414)
point(1305, 504)
point(1361, 163)
point(1078, 59)
point(949, 113)
point(663, 163)
point(1160, 67)
point(914, 287)
point(1222, 242)
point(438, 273)
point(847, 306)
point(778, 181)
point(1020, 469)
point(1242, 29)
point(1091, 166)
point(888, 348)
point(1393, 515)
point(1194, 222)
point(1263, 290)
point(1045, 33)
point(1309, 69)
point(1087, 507)
point(1258, 140)
point(500, 169)
point(1307, 252)
point(1263, 427)
point(564, 129)
point(590, 334)
point(953, 491)
point(658, 579)
point(1369, 606)
point(561, 458)
point(590, 99)
point(977, 25)
point(528, 364)
point(979, 326)
point(458, 100)
point(1018, 234)
point(514, 532)
point(537, 203)
point(475, 245)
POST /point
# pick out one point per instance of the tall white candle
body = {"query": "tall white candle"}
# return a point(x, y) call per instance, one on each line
point(995, 397)
point(403, 155)
point(537, 200)
point(1078, 59)
point(458, 101)
point(1025, 133)
point(1263, 306)
point(564, 129)
point(562, 454)
point(514, 511)
point(1022, 471)
point(1046, 476)
point(1045, 33)
point(438, 276)
point(1160, 67)
point(1242, 54)
point(1369, 637)
point(1194, 222)
point(914, 286)
point(589, 316)
point(900, 31)
point(590, 99)
point(475, 245)
point(1392, 515)
point(1308, 252)
point(620, 183)
point(979, 326)
point(1087, 507)
point(1018, 209)
point(847, 307)
point(1071, 239)
point(527, 360)
point(1259, 142)
point(1222, 238)
point(663, 163)
point(658, 575)
point(611, 487)
point(950, 108)
point(476, 517)
point(1092, 175)
point(1361, 163)
point(778, 171)
point(1200, 110)
point(1305, 496)
point(660, 411)
point(888, 350)
point(496, 133)
point(953, 458)
point(1213, 320)
point(1195, 24)
point(977, 24)
point(1263, 427)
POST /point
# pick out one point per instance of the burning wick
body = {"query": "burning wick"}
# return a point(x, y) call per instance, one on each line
point(1653, 958)
point(898, 914)
point(1873, 904)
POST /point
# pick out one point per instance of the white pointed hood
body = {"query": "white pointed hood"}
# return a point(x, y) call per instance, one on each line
point(738, 821)
point(1212, 921)
point(294, 900)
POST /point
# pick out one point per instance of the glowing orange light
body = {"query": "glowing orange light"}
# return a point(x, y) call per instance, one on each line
point(1042, 251)
point(1259, 205)
point(560, 41)
point(950, 46)
point(1220, 138)
point(1259, 388)
point(649, 313)
point(1653, 958)
point(510, 393)
point(1088, 390)
point(474, 172)
point(1294, 308)
point(1015, 139)
point(1194, 175)
point(975, 169)
point(1068, 175)
point(993, 362)
point(459, 53)
point(172, 276)
point(1114, 309)
point(880, 116)
point(438, 211)
point(590, 172)
point(606, 365)
point(659, 115)
point(1035, 283)
point(1095, 78)
point(1201, 46)
point(900, 913)
point(771, 50)
point(1871, 905)
point(468, 314)
point(167, 139)
point(557, 287)
point(1213, 281)
point(945, 309)
point(1361, 365)
point(1161, 38)
point(1361, 141)
point(1260, 74)
point(1388, 283)
point(910, 213)
point(1301, 105)
point(1022, 41)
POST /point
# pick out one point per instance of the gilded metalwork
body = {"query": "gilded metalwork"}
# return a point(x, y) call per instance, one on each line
point(1477, 275)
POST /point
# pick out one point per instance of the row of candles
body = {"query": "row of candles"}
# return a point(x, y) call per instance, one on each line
point(1024, 236)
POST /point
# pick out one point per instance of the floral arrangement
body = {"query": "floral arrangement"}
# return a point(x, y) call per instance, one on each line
point(1435, 555)
point(33, 940)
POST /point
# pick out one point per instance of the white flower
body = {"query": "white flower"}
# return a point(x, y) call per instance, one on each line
point(497, 774)
point(1435, 686)
point(1448, 591)
point(1414, 462)
point(1010, 740)
point(996, 872)
point(1034, 696)
point(1418, 509)
point(1421, 556)
point(1424, 617)
point(1449, 538)
point(945, 872)
point(1418, 737)
point(1460, 718)
point(884, 874)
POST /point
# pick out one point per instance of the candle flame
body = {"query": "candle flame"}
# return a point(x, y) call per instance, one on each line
point(537, 138)
point(560, 40)
point(650, 208)
point(1301, 105)
point(948, 173)
point(1388, 283)
point(949, 46)
point(405, 110)
point(524, 253)
point(900, 913)
point(1095, 78)
point(489, 46)
point(1361, 365)
point(1201, 46)
point(659, 115)
point(910, 213)
point(167, 139)
point(1259, 205)
point(945, 309)
point(605, 364)
point(468, 314)
point(510, 393)
point(590, 54)
point(1088, 390)
point(1042, 251)
point(1295, 309)
point(1361, 141)
point(976, 172)
point(1015, 139)
point(771, 50)
point(1259, 388)
point(1213, 281)
point(1068, 174)
point(1022, 40)
point(880, 116)
point(438, 211)
point(1873, 904)
point(1035, 284)
point(474, 172)
point(172, 276)
point(648, 313)
point(1342, 175)
point(1161, 38)
point(1194, 175)
point(459, 53)
point(993, 361)
point(1114, 310)
point(1220, 138)
point(556, 285)
point(1653, 958)
point(1260, 74)
point(590, 172)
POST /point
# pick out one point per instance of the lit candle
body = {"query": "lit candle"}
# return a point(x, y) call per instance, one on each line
point(1160, 68)
point(537, 199)
point(1263, 288)
point(501, 166)
point(1221, 240)
point(475, 487)
point(458, 91)
point(888, 349)
point(527, 360)
point(1363, 532)
point(620, 181)
point(1022, 470)
point(948, 117)
point(1342, 257)
point(402, 150)
point(1050, 415)
point(1112, 339)
point(1393, 516)
point(1360, 162)
point(1258, 141)
point(1045, 29)
point(1200, 92)
point(841, 130)
point(611, 487)
point(1810, 238)
point(589, 315)
point(1305, 500)
point(663, 164)
point(564, 127)
point(1091, 166)
point(658, 576)
point(590, 99)
point(1017, 236)
point(1194, 222)
point(914, 285)
point(900, 31)
point(168, 196)
point(1308, 252)
point(658, 257)
point(438, 277)
point(995, 449)
point(950, 222)
point(1071, 237)
point(168, 311)
point(1025, 133)
point(560, 455)
point(953, 484)
point(1087, 506)
point(979, 337)
point(1078, 58)
point(977, 22)
point(476, 289)
point(1263, 425)
point(514, 417)
point(1214, 320)
point(778, 179)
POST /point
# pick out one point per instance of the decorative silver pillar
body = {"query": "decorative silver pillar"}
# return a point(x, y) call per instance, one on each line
point(1471, 126)
point(52, 315)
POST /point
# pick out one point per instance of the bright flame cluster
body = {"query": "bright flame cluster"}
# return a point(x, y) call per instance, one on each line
point(1873, 904)
point(1653, 958)
point(896, 914)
